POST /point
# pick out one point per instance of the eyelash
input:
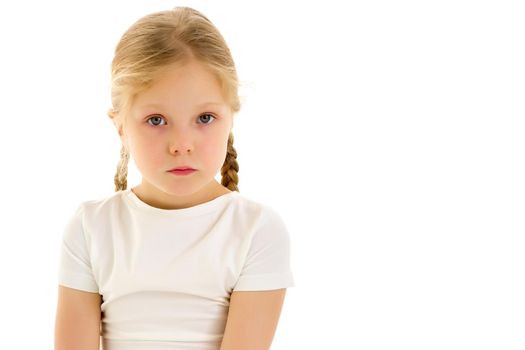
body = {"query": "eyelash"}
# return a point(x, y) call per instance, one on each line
point(157, 115)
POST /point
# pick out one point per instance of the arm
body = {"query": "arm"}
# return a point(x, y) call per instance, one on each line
point(78, 316)
point(252, 319)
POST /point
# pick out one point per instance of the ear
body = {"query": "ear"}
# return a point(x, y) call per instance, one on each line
point(113, 116)
point(111, 113)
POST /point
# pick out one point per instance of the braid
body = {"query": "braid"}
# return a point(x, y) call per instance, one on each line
point(121, 181)
point(230, 168)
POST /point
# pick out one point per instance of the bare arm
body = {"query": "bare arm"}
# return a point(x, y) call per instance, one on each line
point(252, 319)
point(77, 325)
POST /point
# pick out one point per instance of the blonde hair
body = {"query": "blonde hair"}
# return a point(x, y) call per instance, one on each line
point(161, 39)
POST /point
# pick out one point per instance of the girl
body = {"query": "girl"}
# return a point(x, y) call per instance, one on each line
point(179, 261)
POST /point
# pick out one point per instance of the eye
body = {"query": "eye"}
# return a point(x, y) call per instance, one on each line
point(157, 118)
point(207, 115)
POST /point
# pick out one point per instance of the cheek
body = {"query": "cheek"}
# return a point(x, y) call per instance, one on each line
point(147, 150)
point(214, 149)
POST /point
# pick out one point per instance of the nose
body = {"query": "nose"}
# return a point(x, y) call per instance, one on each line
point(181, 141)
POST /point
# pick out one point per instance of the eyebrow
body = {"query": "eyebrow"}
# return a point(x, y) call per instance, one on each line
point(210, 104)
point(200, 105)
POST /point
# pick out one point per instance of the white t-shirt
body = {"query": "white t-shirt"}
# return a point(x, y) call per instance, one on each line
point(166, 276)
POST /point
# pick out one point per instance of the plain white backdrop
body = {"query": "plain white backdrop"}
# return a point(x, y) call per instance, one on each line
point(389, 136)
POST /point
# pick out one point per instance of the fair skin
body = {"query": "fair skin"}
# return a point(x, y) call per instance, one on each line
point(181, 120)
point(176, 131)
point(77, 320)
point(252, 319)
point(178, 98)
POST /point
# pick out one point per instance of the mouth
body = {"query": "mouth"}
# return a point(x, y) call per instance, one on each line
point(184, 168)
point(182, 171)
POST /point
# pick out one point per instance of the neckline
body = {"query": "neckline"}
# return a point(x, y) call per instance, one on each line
point(196, 210)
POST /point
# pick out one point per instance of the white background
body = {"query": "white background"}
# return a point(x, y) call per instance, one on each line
point(388, 134)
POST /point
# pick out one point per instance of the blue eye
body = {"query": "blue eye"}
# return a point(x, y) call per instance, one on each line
point(209, 115)
point(207, 120)
point(155, 117)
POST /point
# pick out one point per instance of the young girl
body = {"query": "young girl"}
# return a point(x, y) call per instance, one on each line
point(179, 261)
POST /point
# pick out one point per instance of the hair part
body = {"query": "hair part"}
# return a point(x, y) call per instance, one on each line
point(161, 39)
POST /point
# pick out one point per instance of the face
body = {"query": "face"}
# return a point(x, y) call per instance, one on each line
point(181, 120)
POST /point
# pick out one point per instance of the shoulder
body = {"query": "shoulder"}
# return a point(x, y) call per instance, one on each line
point(101, 204)
point(89, 206)
point(262, 213)
point(265, 225)
point(98, 210)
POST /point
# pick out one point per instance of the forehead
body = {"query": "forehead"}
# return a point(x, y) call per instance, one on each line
point(186, 80)
point(190, 84)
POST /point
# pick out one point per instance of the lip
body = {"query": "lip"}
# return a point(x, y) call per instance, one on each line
point(184, 167)
point(183, 172)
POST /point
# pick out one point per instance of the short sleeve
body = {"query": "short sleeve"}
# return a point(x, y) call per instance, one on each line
point(74, 269)
point(267, 264)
